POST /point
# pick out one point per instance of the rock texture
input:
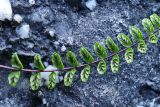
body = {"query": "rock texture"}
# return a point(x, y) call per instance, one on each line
point(136, 85)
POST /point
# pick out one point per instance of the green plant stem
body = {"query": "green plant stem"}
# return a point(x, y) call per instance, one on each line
point(66, 68)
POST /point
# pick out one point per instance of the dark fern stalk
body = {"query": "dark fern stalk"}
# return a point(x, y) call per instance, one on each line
point(149, 26)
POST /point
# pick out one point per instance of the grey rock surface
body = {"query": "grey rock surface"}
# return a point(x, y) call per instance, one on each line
point(136, 85)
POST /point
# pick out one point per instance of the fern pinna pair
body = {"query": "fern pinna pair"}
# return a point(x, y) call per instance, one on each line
point(149, 26)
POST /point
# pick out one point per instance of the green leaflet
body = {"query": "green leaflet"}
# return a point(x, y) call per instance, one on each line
point(85, 73)
point(136, 33)
point(16, 62)
point(57, 61)
point(35, 80)
point(153, 38)
point(69, 76)
point(129, 55)
point(155, 20)
point(147, 25)
point(111, 45)
point(52, 80)
point(100, 50)
point(124, 40)
point(115, 63)
point(38, 62)
point(71, 58)
point(13, 78)
point(86, 56)
point(142, 47)
point(102, 68)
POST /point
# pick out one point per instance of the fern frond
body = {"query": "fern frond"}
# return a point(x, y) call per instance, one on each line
point(111, 45)
point(124, 40)
point(86, 56)
point(57, 60)
point(71, 58)
point(100, 50)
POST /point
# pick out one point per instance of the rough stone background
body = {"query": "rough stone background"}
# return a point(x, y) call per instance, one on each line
point(136, 85)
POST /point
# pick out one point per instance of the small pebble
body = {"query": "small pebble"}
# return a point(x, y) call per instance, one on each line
point(32, 2)
point(18, 18)
point(63, 48)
